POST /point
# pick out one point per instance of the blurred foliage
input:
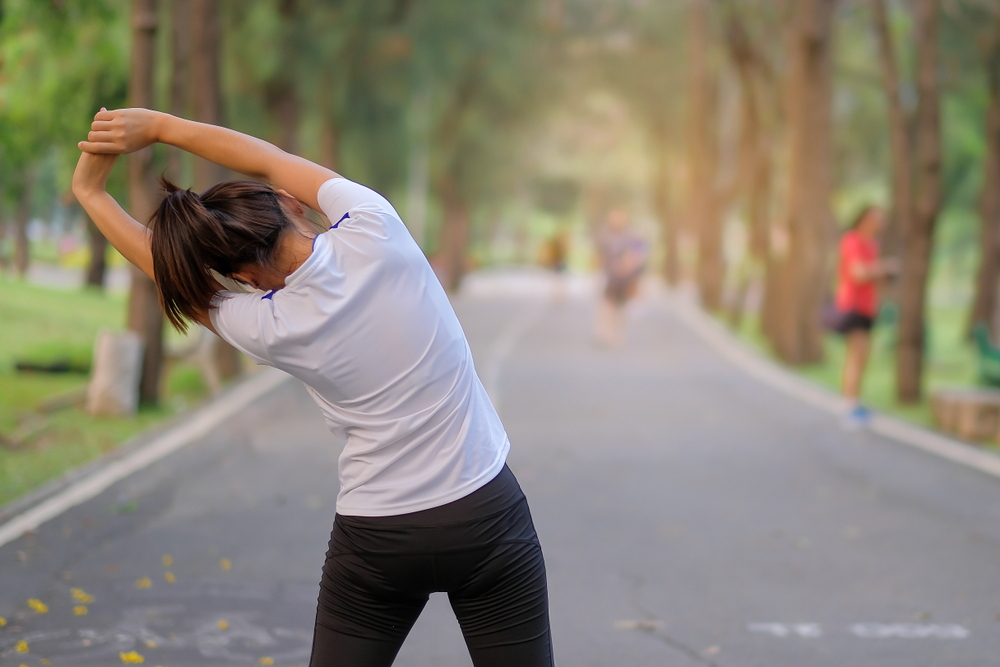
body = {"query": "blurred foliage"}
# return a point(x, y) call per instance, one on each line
point(42, 325)
point(487, 89)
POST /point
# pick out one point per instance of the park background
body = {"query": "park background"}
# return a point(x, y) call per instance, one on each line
point(743, 135)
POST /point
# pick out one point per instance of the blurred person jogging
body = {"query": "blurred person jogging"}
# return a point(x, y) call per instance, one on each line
point(856, 303)
point(623, 261)
point(426, 502)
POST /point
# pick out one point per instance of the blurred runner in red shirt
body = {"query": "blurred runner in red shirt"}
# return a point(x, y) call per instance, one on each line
point(858, 274)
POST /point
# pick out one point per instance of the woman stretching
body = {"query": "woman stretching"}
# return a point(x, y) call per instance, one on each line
point(426, 500)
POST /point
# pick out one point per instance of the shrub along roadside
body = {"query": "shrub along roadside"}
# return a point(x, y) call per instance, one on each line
point(42, 439)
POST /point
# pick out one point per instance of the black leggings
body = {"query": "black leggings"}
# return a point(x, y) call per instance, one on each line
point(482, 550)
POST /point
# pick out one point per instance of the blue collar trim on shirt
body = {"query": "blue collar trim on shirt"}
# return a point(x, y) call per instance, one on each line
point(345, 217)
point(268, 295)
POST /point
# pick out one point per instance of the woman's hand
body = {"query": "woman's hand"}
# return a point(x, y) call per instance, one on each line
point(91, 175)
point(122, 131)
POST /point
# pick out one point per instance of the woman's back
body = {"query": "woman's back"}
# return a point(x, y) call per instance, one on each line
point(366, 325)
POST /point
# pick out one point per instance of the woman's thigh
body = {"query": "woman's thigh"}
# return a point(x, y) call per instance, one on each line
point(503, 609)
point(500, 595)
point(363, 615)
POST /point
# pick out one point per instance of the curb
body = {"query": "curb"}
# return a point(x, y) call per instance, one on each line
point(193, 426)
point(785, 381)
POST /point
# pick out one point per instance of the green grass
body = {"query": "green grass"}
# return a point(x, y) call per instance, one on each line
point(951, 361)
point(42, 324)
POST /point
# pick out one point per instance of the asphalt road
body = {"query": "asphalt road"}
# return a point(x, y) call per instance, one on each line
point(690, 515)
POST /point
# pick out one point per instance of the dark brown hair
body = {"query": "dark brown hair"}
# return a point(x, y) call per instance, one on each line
point(227, 228)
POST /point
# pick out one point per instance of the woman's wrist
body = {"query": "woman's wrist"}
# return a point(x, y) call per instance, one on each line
point(161, 126)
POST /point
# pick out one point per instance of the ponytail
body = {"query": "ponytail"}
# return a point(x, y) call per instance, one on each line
point(227, 228)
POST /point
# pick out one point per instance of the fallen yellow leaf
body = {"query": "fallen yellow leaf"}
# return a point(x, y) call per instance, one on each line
point(80, 610)
point(3, 621)
point(145, 582)
point(225, 563)
point(169, 576)
point(80, 596)
point(21, 646)
point(46, 661)
point(131, 658)
point(223, 625)
point(267, 661)
point(38, 606)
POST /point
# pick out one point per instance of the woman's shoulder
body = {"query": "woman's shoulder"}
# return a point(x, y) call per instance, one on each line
point(339, 196)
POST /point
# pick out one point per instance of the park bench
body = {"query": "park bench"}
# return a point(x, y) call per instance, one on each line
point(989, 356)
point(971, 413)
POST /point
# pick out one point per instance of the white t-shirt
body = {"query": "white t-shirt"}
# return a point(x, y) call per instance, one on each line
point(366, 325)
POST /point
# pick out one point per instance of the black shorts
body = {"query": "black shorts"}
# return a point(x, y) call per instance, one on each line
point(855, 321)
point(481, 550)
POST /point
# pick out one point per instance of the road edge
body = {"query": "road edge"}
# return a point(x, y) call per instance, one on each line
point(193, 426)
point(765, 370)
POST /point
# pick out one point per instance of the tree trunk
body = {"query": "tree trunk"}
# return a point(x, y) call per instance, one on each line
point(918, 239)
point(22, 245)
point(661, 200)
point(454, 235)
point(900, 132)
point(207, 104)
point(703, 213)
point(145, 317)
point(329, 142)
point(984, 305)
point(206, 87)
point(3, 246)
point(180, 76)
point(98, 265)
point(756, 164)
point(810, 223)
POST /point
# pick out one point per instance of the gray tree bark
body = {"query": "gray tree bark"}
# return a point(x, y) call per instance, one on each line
point(703, 210)
point(810, 227)
point(145, 317)
point(97, 266)
point(984, 304)
point(918, 238)
point(206, 35)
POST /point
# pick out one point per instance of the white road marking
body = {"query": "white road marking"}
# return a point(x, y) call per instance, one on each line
point(195, 426)
point(909, 631)
point(770, 373)
point(866, 630)
point(504, 343)
point(811, 630)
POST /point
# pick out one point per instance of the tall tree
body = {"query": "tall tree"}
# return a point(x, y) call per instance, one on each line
point(22, 245)
point(918, 234)
point(207, 102)
point(145, 316)
point(180, 74)
point(985, 301)
point(704, 213)
point(809, 223)
point(756, 149)
point(97, 265)
point(900, 127)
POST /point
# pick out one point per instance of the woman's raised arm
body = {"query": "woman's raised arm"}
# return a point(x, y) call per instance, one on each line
point(129, 236)
point(128, 130)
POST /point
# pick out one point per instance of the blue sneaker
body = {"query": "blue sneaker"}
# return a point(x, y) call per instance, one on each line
point(859, 417)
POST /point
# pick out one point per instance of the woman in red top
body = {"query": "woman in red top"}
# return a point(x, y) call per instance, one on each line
point(858, 274)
